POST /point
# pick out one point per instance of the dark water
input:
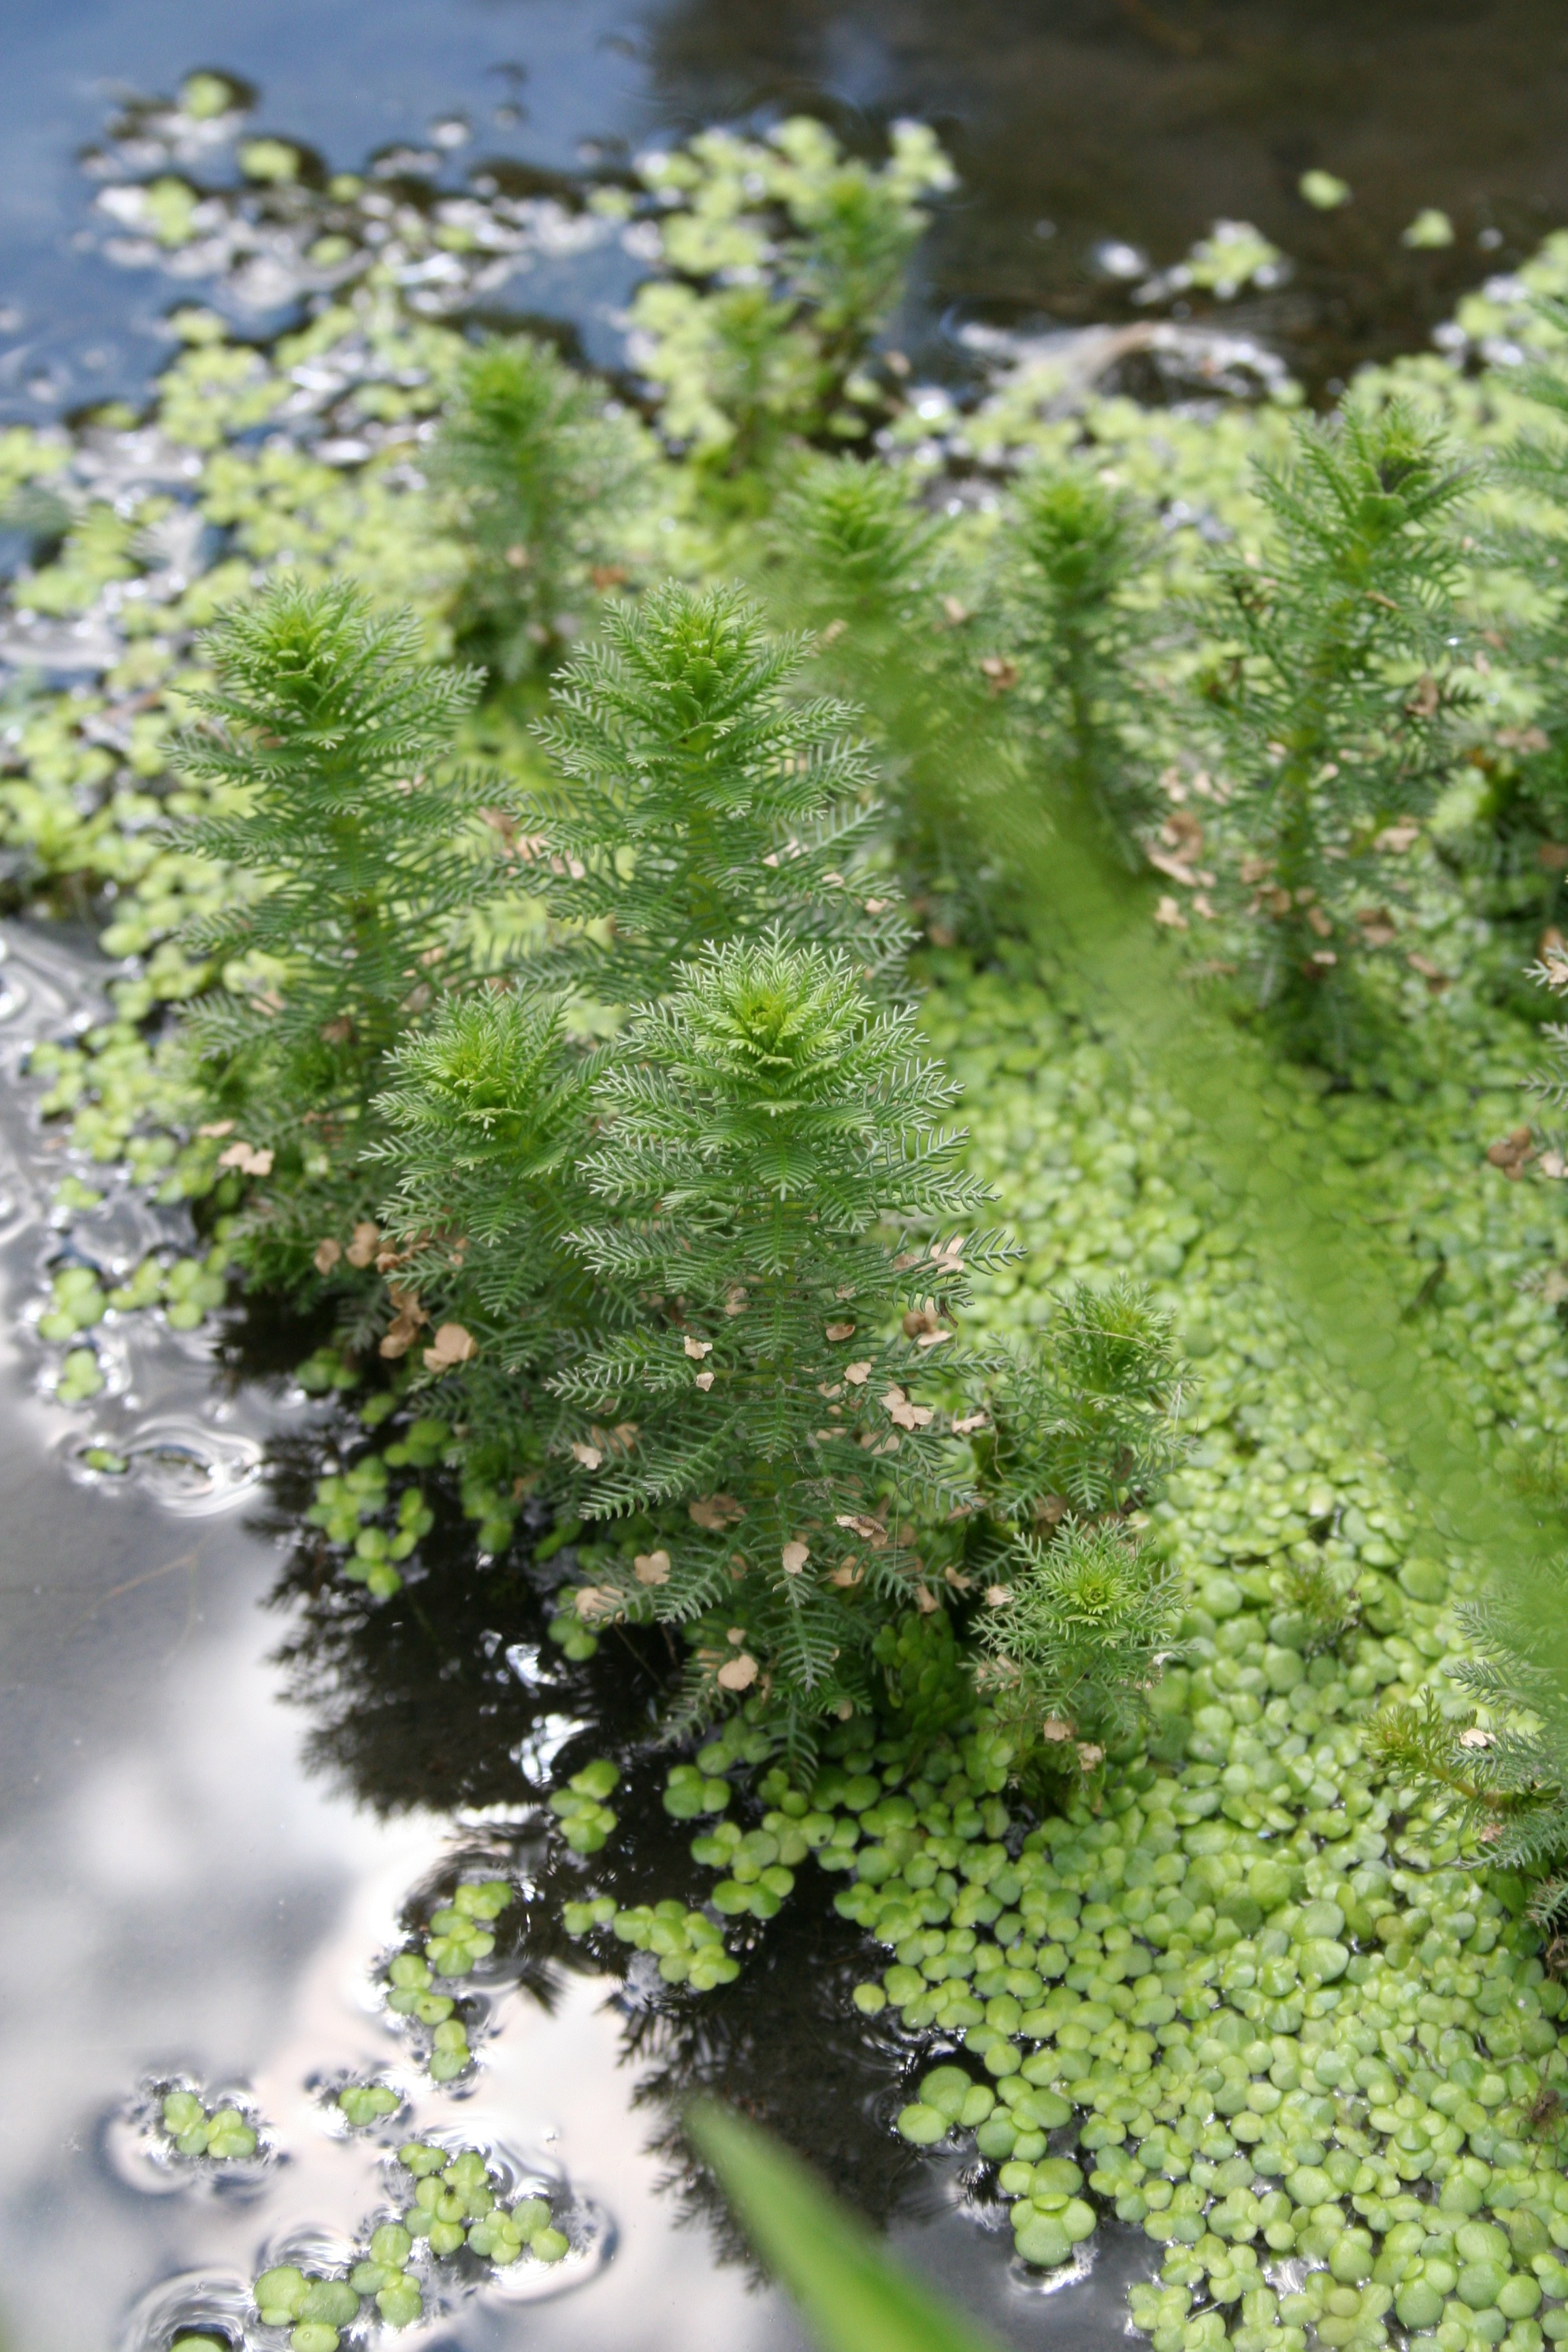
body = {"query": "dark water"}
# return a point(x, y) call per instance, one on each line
point(1079, 126)
point(223, 1778)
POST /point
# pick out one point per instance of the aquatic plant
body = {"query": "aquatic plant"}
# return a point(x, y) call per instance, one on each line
point(1075, 1638)
point(1334, 690)
point(1080, 1614)
point(453, 2200)
point(702, 801)
point(1504, 1780)
point(853, 557)
point(759, 1132)
point(1289, 2026)
point(1088, 1420)
point(223, 2133)
point(485, 1119)
point(457, 1937)
point(1525, 805)
point(543, 467)
point(1072, 554)
point(783, 261)
point(357, 860)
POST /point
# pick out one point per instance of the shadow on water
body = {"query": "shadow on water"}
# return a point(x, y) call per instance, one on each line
point(448, 1698)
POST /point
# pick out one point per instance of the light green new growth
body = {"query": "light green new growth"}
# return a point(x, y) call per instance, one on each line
point(759, 1133)
point(544, 471)
point(1335, 696)
point(790, 259)
point(1076, 1645)
point(856, 556)
point(852, 558)
point(702, 802)
point(358, 861)
point(1071, 551)
point(1089, 1421)
point(1079, 1613)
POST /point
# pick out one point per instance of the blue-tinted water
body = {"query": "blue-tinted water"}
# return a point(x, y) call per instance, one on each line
point(530, 79)
point(1083, 129)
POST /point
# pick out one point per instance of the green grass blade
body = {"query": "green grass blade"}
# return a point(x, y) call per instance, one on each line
point(854, 2299)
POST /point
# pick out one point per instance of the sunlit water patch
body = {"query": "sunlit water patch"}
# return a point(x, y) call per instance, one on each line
point(201, 1907)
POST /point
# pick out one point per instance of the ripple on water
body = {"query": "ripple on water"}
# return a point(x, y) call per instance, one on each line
point(185, 1467)
point(140, 2155)
point(211, 2303)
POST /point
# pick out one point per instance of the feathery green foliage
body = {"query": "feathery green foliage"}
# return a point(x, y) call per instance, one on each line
point(1549, 1084)
point(1505, 1780)
point(789, 258)
point(857, 555)
point(359, 859)
point(761, 1131)
point(702, 801)
point(545, 470)
point(1070, 552)
point(1077, 1611)
point(1075, 1645)
point(853, 558)
point(1335, 698)
point(1090, 1422)
point(1527, 795)
point(484, 1123)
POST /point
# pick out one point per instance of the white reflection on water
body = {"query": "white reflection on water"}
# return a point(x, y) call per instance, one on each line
point(180, 1898)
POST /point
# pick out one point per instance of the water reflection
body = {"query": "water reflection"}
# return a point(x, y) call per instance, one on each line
point(201, 1886)
point(1091, 135)
point(1081, 125)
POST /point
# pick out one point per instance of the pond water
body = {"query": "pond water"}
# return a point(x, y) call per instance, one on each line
point(226, 1779)
point(1096, 141)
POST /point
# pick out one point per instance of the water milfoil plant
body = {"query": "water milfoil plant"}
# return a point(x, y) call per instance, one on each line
point(1335, 692)
point(703, 798)
point(1072, 556)
point(1088, 1422)
point(359, 857)
point(855, 558)
point(545, 469)
point(1497, 1770)
point(484, 1121)
point(776, 1152)
point(1075, 1640)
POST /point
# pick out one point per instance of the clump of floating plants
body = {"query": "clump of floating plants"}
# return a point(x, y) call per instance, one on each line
point(457, 1940)
point(191, 2128)
point(449, 2201)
